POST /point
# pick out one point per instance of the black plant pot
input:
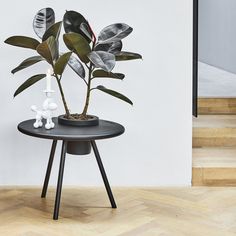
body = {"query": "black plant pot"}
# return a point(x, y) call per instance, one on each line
point(92, 121)
point(79, 147)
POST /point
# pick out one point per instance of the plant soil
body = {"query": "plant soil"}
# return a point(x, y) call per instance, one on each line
point(77, 116)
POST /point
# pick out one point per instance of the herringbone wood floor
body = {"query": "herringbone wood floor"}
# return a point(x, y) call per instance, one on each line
point(141, 212)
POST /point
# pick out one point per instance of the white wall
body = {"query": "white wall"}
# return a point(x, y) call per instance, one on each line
point(156, 148)
point(217, 33)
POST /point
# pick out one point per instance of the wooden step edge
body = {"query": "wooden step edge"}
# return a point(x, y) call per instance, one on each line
point(214, 177)
point(221, 105)
point(214, 137)
point(214, 132)
point(216, 142)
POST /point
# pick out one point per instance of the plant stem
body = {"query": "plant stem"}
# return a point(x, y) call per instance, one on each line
point(84, 113)
point(62, 96)
point(90, 68)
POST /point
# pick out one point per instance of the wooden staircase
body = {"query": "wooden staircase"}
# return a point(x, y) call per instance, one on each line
point(214, 143)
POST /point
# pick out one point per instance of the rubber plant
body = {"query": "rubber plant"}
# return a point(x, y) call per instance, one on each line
point(98, 55)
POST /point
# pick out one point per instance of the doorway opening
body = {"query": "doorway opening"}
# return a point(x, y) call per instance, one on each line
point(214, 93)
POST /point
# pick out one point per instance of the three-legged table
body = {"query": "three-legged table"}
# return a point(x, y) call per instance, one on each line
point(105, 129)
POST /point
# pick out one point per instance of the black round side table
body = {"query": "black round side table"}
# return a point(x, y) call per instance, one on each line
point(105, 129)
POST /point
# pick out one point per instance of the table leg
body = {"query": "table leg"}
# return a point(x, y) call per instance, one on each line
point(59, 181)
point(103, 173)
point(48, 172)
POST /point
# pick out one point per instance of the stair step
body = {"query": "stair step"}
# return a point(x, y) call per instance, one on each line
point(214, 131)
point(217, 106)
point(214, 157)
point(214, 166)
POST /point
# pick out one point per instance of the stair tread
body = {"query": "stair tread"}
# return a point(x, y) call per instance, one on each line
point(217, 98)
point(214, 157)
point(214, 121)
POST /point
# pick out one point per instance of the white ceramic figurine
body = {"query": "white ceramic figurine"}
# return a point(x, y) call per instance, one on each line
point(46, 113)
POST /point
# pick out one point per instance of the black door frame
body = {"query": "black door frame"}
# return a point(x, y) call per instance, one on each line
point(195, 59)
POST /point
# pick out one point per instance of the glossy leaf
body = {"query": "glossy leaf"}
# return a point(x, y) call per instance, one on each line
point(78, 44)
point(61, 63)
point(54, 30)
point(72, 21)
point(48, 49)
point(43, 20)
point(32, 80)
point(113, 47)
point(114, 32)
point(23, 41)
point(76, 66)
point(114, 94)
point(86, 30)
point(105, 74)
point(27, 62)
point(125, 56)
point(104, 60)
point(56, 49)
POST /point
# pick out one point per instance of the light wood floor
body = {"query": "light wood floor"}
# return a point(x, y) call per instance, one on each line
point(198, 211)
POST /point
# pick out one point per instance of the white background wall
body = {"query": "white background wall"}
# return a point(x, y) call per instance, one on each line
point(156, 148)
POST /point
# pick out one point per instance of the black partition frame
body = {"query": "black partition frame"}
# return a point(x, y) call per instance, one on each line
point(195, 59)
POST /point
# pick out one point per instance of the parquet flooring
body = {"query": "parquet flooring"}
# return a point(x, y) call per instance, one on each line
point(197, 211)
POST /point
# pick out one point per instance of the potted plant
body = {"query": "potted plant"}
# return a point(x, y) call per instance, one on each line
point(89, 56)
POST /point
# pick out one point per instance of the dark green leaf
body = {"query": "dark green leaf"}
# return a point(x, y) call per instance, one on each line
point(78, 44)
point(32, 80)
point(54, 31)
point(76, 23)
point(125, 56)
point(76, 66)
point(61, 63)
point(27, 62)
point(114, 32)
point(104, 60)
point(48, 49)
point(43, 20)
point(114, 94)
point(23, 41)
point(86, 30)
point(105, 74)
point(113, 47)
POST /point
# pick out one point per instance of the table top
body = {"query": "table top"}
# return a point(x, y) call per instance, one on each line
point(105, 129)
